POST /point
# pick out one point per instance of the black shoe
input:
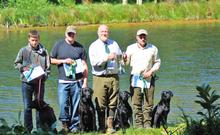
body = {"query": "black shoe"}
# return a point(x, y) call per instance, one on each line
point(102, 130)
point(63, 132)
point(74, 130)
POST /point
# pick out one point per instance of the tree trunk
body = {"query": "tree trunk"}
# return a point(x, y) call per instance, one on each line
point(139, 2)
point(86, 1)
point(124, 2)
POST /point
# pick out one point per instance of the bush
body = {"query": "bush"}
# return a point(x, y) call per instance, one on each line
point(15, 129)
point(209, 122)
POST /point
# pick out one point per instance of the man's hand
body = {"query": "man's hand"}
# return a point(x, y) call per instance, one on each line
point(124, 56)
point(147, 74)
point(26, 68)
point(112, 56)
point(68, 61)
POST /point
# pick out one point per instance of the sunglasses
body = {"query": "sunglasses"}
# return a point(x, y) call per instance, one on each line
point(142, 36)
point(71, 34)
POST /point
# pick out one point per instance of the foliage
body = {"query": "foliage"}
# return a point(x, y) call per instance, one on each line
point(16, 128)
point(33, 13)
point(209, 123)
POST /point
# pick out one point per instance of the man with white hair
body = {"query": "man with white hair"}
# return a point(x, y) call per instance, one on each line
point(103, 53)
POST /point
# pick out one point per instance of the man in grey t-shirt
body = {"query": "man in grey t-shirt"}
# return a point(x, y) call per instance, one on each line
point(70, 58)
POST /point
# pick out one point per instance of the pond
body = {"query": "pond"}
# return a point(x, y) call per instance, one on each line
point(189, 53)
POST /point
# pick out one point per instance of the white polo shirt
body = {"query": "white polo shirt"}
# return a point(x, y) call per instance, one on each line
point(143, 59)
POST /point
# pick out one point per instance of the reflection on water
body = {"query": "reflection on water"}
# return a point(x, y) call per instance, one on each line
point(190, 56)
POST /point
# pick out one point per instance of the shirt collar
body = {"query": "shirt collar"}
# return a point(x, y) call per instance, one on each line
point(146, 46)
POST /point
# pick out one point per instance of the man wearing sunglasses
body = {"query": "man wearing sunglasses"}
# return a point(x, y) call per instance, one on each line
point(144, 61)
point(70, 58)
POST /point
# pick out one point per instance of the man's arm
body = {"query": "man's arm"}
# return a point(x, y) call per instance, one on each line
point(18, 61)
point(85, 74)
point(61, 61)
point(47, 66)
point(95, 58)
point(156, 65)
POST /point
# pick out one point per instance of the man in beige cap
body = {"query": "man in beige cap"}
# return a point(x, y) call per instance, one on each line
point(144, 61)
point(70, 58)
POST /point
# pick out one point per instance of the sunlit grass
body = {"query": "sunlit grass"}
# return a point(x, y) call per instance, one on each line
point(106, 13)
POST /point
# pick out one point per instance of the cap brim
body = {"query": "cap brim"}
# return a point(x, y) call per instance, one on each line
point(71, 32)
point(143, 33)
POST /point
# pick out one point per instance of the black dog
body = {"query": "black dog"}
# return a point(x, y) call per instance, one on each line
point(123, 117)
point(161, 110)
point(87, 111)
point(46, 115)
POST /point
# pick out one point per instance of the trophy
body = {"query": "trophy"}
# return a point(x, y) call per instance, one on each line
point(121, 64)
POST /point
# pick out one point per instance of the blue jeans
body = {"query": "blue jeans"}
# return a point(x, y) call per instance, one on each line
point(68, 98)
point(28, 91)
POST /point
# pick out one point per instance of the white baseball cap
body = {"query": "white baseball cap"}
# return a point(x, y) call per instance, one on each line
point(141, 31)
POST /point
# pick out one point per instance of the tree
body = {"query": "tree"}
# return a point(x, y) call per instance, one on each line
point(4, 3)
point(139, 2)
point(124, 2)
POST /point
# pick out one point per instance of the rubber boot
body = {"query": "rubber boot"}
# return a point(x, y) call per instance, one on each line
point(110, 125)
point(65, 128)
point(101, 120)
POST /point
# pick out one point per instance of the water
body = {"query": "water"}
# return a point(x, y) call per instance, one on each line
point(189, 53)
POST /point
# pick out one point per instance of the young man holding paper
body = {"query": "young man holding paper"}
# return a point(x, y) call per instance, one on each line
point(33, 62)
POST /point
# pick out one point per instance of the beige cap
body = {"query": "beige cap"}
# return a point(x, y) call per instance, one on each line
point(71, 29)
point(141, 31)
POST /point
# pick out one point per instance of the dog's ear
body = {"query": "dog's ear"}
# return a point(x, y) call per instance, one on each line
point(91, 90)
point(121, 95)
point(163, 93)
point(171, 93)
point(81, 92)
point(128, 93)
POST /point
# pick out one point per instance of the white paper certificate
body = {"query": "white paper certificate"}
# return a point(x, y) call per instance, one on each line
point(138, 81)
point(33, 73)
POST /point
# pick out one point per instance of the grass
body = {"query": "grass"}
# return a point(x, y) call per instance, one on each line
point(18, 129)
point(35, 15)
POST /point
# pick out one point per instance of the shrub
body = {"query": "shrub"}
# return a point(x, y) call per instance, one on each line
point(16, 128)
point(209, 122)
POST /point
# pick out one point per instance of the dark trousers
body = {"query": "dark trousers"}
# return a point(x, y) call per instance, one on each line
point(143, 102)
point(30, 90)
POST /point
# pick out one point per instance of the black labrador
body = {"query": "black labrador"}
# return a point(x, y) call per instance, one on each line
point(123, 117)
point(87, 111)
point(161, 110)
point(46, 115)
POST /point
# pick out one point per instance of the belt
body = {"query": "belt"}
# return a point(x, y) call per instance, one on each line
point(107, 75)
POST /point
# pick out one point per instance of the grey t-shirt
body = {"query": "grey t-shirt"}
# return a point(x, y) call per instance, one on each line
point(63, 50)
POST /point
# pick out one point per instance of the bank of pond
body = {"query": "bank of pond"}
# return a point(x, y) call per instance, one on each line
point(26, 14)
